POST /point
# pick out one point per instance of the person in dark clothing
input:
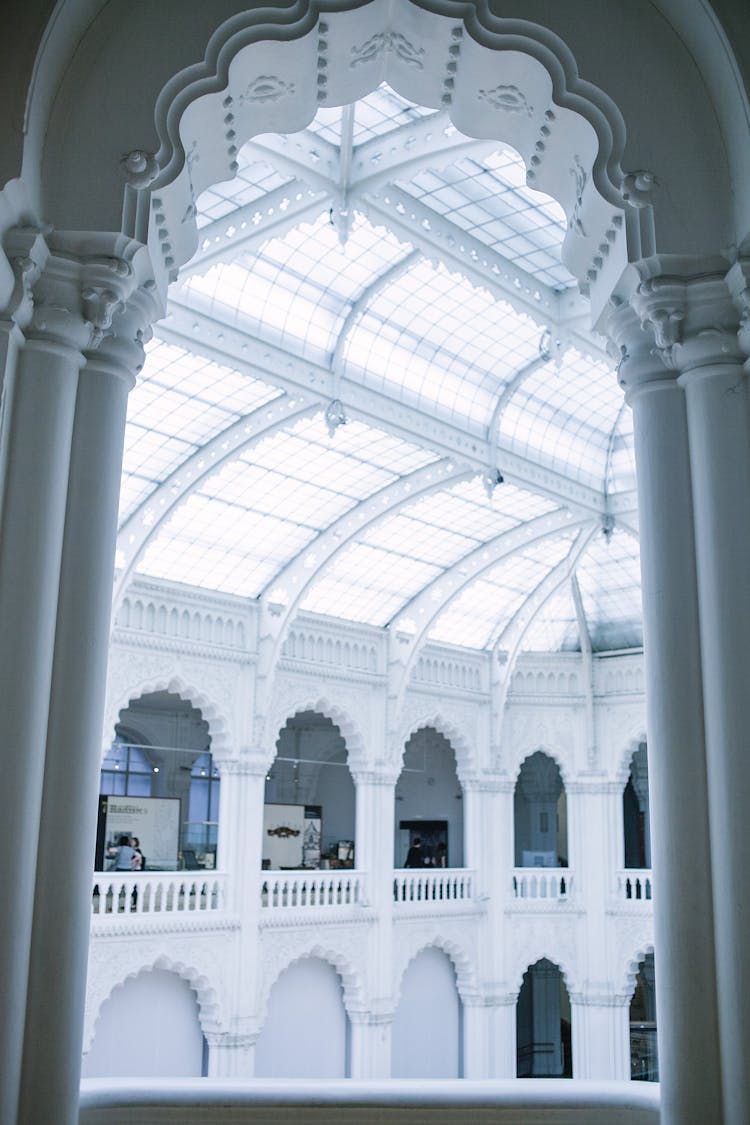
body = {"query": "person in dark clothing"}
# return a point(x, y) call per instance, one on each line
point(415, 856)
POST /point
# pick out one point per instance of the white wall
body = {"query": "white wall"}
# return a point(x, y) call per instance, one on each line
point(148, 1028)
point(306, 1029)
point(427, 1026)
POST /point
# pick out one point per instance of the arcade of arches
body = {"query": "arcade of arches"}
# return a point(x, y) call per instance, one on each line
point(368, 313)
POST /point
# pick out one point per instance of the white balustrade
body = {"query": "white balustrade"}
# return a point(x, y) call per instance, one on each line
point(634, 885)
point(448, 884)
point(162, 892)
point(308, 890)
point(554, 883)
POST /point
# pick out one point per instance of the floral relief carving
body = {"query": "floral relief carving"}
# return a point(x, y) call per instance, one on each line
point(385, 43)
point(509, 98)
point(580, 175)
point(266, 88)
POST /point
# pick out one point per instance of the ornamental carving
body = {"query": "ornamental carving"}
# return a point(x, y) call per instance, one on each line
point(388, 43)
point(139, 168)
point(580, 175)
point(266, 88)
point(343, 948)
point(555, 938)
point(509, 98)
point(450, 938)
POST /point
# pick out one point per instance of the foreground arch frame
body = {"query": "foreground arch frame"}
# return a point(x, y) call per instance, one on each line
point(97, 215)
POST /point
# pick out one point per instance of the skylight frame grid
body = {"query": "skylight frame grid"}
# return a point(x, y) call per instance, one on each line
point(555, 627)
point(478, 615)
point(367, 584)
point(253, 181)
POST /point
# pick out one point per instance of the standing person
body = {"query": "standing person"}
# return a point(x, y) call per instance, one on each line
point(123, 854)
point(139, 859)
point(441, 855)
point(415, 857)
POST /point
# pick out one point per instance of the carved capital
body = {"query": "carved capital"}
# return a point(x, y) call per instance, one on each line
point(637, 188)
point(27, 252)
point(662, 308)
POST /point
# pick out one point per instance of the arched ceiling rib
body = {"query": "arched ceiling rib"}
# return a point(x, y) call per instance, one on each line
point(189, 327)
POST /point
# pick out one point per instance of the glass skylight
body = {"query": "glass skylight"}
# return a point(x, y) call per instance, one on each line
point(375, 314)
point(488, 197)
point(610, 581)
point(564, 417)
point(419, 342)
point(180, 402)
point(264, 506)
point(478, 615)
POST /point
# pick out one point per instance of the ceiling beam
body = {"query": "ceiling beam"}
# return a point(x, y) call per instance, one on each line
point(189, 326)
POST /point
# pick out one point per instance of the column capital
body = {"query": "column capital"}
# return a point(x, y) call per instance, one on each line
point(249, 764)
point(383, 776)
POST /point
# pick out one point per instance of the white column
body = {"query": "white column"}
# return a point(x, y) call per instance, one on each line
point(477, 1037)
point(503, 1036)
point(600, 1049)
point(716, 389)
point(370, 1044)
point(474, 849)
point(230, 1055)
point(239, 848)
point(375, 815)
point(683, 905)
point(37, 432)
point(67, 831)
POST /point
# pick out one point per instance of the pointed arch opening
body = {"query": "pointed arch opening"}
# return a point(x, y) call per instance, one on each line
point(310, 799)
point(644, 1052)
point(159, 785)
point(543, 1024)
point(429, 816)
point(636, 811)
point(540, 814)
point(306, 1032)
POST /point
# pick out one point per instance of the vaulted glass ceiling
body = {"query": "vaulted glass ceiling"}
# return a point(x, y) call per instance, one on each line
point(374, 396)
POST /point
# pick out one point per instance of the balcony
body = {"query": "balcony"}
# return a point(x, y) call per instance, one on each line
point(428, 888)
point(634, 885)
point(118, 893)
point(203, 1101)
point(312, 890)
point(553, 884)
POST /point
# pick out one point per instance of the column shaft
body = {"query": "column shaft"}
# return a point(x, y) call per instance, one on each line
point(683, 905)
point(719, 430)
point(38, 433)
point(62, 908)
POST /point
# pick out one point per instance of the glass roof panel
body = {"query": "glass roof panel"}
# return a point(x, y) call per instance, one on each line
point(253, 180)
point(555, 628)
point(268, 503)
point(477, 616)
point(563, 416)
point(488, 197)
point(297, 290)
point(368, 584)
point(621, 464)
point(418, 342)
point(180, 402)
point(610, 581)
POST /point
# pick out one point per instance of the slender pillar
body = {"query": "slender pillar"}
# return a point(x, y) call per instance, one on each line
point(683, 902)
point(229, 1055)
point(370, 1044)
point(717, 389)
point(62, 902)
point(37, 433)
point(240, 848)
point(374, 850)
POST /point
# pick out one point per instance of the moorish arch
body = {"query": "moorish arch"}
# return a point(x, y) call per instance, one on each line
point(206, 993)
point(466, 974)
point(351, 979)
point(215, 715)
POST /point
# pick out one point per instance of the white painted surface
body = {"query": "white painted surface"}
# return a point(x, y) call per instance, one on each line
point(427, 1025)
point(305, 1031)
point(148, 1027)
point(534, 1102)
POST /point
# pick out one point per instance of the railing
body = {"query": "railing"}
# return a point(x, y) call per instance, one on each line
point(450, 884)
point(163, 892)
point(543, 883)
point(634, 885)
point(212, 1101)
point(306, 890)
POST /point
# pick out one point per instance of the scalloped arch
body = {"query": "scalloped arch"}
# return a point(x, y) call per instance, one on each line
point(351, 982)
point(205, 993)
point(632, 967)
point(436, 720)
point(538, 955)
point(623, 769)
point(339, 716)
point(516, 763)
point(218, 722)
point(266, 70)
point(466, 979)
